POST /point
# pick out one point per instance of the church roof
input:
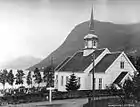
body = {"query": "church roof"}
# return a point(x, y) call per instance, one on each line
point(120, 77)
point(61, 64)
point(79, 62)
point(105, 62)
point(91, 36)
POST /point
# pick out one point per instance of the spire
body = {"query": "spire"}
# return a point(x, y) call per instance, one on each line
point(91, 24)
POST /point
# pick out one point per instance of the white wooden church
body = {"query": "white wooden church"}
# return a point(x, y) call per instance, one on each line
point(110, 67)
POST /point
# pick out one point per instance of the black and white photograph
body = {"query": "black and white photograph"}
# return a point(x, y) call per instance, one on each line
point(69, 53)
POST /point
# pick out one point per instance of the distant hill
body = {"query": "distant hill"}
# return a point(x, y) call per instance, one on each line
point(22, 62)
point(116, 37)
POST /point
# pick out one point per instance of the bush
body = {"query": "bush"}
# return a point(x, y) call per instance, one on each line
point(24, 98)
point(56, 95)
point(78, 94)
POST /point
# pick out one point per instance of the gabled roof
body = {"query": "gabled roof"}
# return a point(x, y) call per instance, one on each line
point(79, 62)
point(120, 77)
point(106, 61)
point(61, 64)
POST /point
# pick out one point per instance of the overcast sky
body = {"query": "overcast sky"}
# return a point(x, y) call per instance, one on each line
point(38, 27)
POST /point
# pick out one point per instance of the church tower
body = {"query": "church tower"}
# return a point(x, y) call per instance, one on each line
point(91, 39)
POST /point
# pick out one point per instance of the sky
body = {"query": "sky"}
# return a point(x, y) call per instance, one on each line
point(38, 27)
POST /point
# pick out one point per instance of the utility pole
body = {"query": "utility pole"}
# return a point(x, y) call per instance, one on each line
point(52, 70)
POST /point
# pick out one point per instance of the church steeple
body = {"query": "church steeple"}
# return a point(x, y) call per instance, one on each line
point(91, 39)
point(91, 23)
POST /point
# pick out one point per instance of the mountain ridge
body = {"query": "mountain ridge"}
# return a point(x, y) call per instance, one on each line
point(116, 37)
point(21, 62)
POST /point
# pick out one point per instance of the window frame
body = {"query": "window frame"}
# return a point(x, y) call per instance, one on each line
point(62, 80)
point(122, 64)
point(100, 83)
point(79, 80)
point(94, 83)
point(56, 78)
point(94, 43)
point(86, 43)
point(67, 79)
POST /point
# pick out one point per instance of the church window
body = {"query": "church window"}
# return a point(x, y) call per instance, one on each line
point(122, 64)
point(89, 44)
point(94, 83)
point(86, 44)
point(100, 83)
point(79, 80)
point(94, 43)
point(56, 78)
point(67, 79)
point(62, 80)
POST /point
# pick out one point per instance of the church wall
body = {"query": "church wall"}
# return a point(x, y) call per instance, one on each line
point(85, 80)
point(82, 76)
point(97, 77)
point(114, 70)
point(107, 77)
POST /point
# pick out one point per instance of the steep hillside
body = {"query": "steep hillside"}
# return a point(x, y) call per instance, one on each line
point(113, 36)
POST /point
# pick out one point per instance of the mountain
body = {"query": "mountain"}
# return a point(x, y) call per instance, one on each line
point(116, 37)
point(22, 62)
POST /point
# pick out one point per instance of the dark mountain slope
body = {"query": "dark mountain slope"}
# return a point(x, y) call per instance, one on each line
point(113, 36)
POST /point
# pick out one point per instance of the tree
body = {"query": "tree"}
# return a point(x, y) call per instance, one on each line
point(48, 76)
point(10, 78)
point(124, 91)
point(128, 88)
point(113, 90)
point(72, 84)
point(3, 77)
point(135, 60)
point(29, 79)
point(37, 76)
point(136, 86)
point(19, 77)
point(132, 59)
